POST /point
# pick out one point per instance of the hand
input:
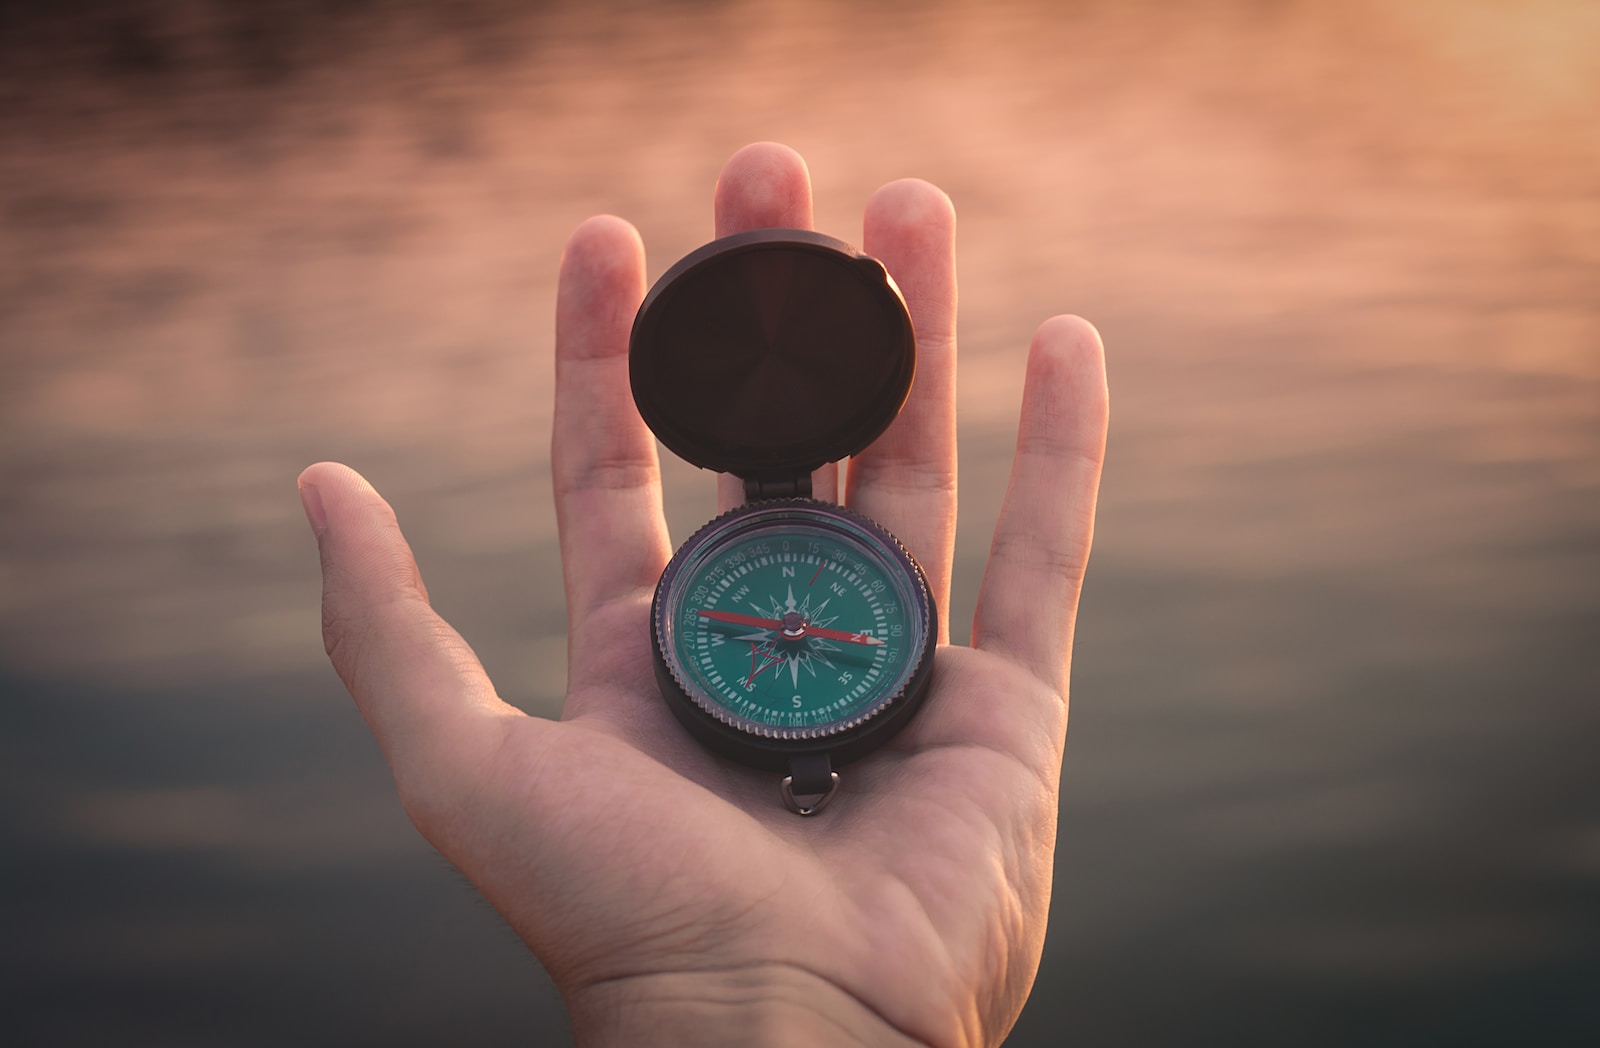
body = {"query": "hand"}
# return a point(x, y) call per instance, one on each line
point(670, 895)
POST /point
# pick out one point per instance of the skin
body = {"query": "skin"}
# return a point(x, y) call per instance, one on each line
point(668, 893)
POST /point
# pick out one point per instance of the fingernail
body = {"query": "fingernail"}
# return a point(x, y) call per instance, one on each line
point(311, 501)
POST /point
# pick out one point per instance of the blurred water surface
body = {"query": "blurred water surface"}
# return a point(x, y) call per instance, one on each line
point(1330, 775)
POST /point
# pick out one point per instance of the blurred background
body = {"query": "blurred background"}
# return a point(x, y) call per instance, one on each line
point(1331, 775)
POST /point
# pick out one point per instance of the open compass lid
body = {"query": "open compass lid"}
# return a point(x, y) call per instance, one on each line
point(769, 353)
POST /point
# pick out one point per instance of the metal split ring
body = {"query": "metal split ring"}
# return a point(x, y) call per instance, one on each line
point(793, 804)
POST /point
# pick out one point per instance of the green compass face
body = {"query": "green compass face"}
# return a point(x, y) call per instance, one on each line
point(792, 621)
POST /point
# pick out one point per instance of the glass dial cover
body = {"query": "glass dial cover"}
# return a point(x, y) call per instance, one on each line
point(792, 625)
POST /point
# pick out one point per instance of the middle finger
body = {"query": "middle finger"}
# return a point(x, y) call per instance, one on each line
point(764, 186)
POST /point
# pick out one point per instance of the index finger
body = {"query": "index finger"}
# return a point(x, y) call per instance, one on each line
point(603, 459)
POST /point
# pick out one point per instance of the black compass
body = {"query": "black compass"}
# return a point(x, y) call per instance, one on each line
point(790, 634)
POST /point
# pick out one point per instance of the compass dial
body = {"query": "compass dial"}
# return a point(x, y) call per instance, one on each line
point(793, 624)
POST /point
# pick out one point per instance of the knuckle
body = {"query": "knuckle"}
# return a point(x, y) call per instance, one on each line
point(1040, 558)
point(905, 476)
point(343, 638)
point(616, 471)
point(351, 626)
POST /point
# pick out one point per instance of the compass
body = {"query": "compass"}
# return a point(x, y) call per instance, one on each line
point(790, 634)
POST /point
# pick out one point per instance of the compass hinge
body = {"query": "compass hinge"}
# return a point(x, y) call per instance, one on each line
point(757, 489)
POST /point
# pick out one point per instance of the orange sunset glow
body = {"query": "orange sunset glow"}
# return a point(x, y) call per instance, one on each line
point(1334, 684)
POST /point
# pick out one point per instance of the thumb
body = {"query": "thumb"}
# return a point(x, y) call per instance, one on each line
point(417, 683)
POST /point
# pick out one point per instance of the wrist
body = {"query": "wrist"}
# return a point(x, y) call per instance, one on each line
point(768, 1006)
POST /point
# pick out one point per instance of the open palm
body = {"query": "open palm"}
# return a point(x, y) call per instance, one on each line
point(669, 893)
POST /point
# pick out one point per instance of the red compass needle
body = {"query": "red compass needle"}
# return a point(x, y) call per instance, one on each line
point(804, 630)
